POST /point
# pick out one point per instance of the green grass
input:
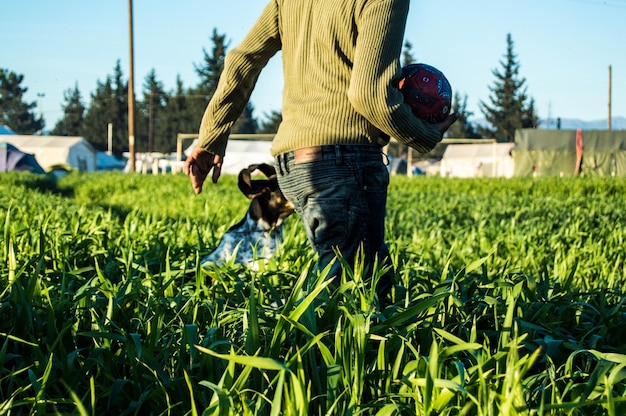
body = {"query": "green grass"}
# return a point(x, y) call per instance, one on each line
point(509, 300)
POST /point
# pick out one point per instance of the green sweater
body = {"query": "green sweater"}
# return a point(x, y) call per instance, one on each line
point(340, 60)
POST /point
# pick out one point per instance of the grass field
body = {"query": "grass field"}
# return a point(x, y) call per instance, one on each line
point(509, 300)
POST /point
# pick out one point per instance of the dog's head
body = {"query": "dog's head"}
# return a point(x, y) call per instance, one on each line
point(268, 202)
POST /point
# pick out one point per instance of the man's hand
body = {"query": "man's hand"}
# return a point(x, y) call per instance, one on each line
point(445, 124)
point(198, 166)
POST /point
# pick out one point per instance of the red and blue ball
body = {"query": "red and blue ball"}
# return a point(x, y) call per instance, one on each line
point(427, 91)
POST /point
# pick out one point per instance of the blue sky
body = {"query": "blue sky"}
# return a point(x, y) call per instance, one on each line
point(565, 47)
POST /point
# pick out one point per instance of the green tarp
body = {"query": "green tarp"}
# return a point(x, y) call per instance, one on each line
point(554, 152)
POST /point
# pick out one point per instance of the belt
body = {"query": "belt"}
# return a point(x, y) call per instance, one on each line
point(315, 153)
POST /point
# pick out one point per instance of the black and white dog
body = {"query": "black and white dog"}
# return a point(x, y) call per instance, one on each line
point(258, 234)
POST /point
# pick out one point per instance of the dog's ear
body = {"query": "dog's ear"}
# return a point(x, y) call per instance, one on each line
point(255, 187)
point(266, 169)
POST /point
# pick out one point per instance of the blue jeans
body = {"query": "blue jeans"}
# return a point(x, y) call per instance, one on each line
point(341, 197)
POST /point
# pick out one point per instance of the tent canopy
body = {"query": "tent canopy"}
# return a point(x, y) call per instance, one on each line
point(477, 159)
point(5, 129)
point(57, 150)
point(11, 158)
point(109, 162)
point(555, 152)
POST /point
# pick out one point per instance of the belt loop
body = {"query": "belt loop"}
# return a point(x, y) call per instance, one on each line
point(338, 155)
point(279, 158)
point(385, 158)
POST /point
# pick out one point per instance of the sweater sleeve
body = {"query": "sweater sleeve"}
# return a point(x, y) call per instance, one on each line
point(381, 25)
point(242, 67)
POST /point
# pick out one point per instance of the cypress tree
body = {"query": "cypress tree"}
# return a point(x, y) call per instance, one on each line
point(209, 72)
point(109, 104)
point(73, 114)
point(179, 114)
point(154, 118)
point(509, 109)
point(16, 113)
point(463, 128)
point(246, 123)
point(270, 125)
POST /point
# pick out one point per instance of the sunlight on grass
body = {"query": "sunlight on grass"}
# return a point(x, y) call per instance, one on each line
point(508, 300)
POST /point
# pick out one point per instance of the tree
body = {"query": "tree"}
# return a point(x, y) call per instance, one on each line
point(246, 123)
point(73, 114)
point(463, 128)
point(407, 54)
point(119, 104)
point(98, 117)
point(272, 122)
point(180, 118)
point(109, 104)
point(530, 119)
point(15, 112)
point(153, 118)
point(209, 73)
point(509, 109)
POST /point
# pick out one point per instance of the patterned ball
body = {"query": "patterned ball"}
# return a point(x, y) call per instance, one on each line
point(427, 91)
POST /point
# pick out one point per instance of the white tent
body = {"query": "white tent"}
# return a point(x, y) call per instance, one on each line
point(56, 150)
point(478, 160)
point(242, 152)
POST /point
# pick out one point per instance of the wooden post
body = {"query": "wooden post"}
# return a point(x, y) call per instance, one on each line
point(131, 91)
point(609, 117)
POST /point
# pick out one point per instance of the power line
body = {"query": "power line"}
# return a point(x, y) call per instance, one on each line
point(608, 3)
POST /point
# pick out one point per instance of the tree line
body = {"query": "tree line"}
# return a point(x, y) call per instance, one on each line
point(160, 114)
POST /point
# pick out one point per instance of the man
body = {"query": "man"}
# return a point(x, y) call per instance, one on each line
point(340, 64)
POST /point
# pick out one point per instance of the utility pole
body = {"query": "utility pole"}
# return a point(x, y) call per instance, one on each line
point(150, 120)
point(110, 138)
point(40, 96)
point(131, 92)
point(610, 76)
point(549, 119)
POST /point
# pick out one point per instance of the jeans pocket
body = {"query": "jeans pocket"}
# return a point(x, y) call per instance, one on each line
point(375, 176)
point(326, 221)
